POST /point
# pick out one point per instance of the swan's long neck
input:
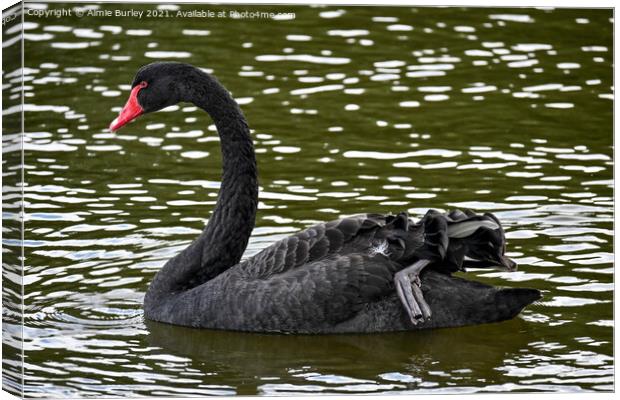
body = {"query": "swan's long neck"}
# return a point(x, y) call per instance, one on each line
point(224, 239)
point(229, 228)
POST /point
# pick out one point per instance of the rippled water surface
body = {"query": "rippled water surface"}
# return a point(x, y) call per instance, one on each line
point(353, 109)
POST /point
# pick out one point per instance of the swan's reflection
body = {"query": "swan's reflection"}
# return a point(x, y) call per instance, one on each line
point(359, 356)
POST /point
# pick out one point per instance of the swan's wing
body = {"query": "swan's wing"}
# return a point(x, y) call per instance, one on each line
point(320, 294)
point(340, 237)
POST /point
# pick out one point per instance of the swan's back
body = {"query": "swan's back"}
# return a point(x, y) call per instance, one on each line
point(358, 234)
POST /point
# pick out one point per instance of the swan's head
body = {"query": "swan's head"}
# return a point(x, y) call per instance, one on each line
point(479, 242)
point(155, 86)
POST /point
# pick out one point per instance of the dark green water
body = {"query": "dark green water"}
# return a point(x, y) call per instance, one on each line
point(353, 109)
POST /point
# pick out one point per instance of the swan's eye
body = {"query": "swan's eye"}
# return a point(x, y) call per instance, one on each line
point(143, 84)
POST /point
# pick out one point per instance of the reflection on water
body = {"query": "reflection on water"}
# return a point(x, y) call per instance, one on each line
point(353, 109)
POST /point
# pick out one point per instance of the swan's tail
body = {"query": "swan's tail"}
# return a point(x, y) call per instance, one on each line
point(456, 301)
point(511, 301)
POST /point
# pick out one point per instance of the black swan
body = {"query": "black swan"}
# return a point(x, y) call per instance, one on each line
point(357, 274)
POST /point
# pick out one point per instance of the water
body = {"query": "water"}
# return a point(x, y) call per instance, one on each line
point(353, 109)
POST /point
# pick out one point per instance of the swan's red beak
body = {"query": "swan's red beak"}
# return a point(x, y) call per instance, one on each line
point(131, 111)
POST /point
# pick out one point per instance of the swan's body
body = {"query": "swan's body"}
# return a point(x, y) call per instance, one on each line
point(328, 278)
point(333, 277)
